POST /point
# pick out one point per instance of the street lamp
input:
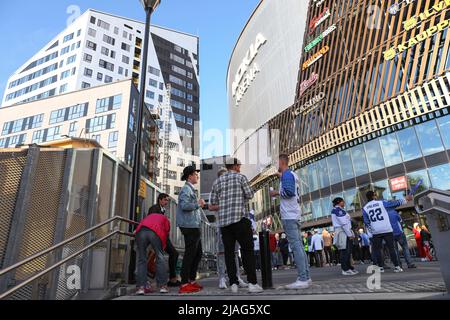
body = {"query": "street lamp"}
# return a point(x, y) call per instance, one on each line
point(149, 6)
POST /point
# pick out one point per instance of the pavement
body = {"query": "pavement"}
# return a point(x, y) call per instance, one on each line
point(425, 282)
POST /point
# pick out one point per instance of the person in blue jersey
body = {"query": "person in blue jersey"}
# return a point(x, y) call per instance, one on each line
point(400, 237)
point(376, 218)
point(289, 194)
point(344, 236)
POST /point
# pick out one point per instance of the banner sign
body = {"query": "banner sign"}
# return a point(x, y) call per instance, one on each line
point(310, 105)
point(314, 58)
point(399, 183)
point(437, 8)
point(319, 39)
point(305, 85)
point(317, 21)
point(318, 2)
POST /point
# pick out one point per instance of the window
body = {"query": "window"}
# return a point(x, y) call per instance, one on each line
point(177, 81)
point(97, 137)
point(359, 160)
point(73, 128)
point(88, 72)
point(53, 134)
point(125, 34)
point(91, 45)
point(102, 24)
point(440, 177)
point(120, 70)
point(85, 85)
point(391, 150)
point(92, 32)
point(317, 209)
point(108, 79)
point(189, 109)
point(38, 136)
point(63, 88)
point(190, 97)
point(68, 37)
point(177, 104)
point(126, 47)
point(345, 161)
point(416, 176)
point(322, 170)
point(154, 71)
point(112, 140)
point(190, 75)
point(93, 19)
point(65, 74)
point(429, 138)
point(176, 58)
point(189, 64)
point(179, 118)
point(409, 145)
point(374, 155)
point(87, 58)
point(77, 111)
point(189, 121)
point(116, 30)
point(150, 94)
point(161, 86)
point(101, 123)
point(106, 65)
point(108, 104)
point(125, 59)
point(179, 70)
point(444, 128)
point(178, 93)
point(153, 83)
point(105, 51)
point(65, 50)
point(161, 98)
point(190, 86)
point(100, 76)
point(71, 59)
point(352, 200)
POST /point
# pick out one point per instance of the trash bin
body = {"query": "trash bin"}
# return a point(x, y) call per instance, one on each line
point(435, 205)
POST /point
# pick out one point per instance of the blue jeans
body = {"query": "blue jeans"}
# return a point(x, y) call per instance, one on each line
point(145, 238)
point(403, 242)
point(292, 228)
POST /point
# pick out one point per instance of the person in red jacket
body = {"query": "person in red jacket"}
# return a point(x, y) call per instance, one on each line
point(273, 250)
point(152, 231)
point(420, 250)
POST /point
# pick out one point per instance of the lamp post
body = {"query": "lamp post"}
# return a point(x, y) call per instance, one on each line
point(149, 6)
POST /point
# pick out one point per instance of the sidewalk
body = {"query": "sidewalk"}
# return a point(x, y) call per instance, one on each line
point(425, 282)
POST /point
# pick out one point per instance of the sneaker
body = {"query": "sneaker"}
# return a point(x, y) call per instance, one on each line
point(398, 269)
point(242, 283)
point(222, 283)
point(298, 285)
point(354, 271)
point(234, 288)
point(347, 273)
point(412, 266)
point(381, 269)
point(254, 288)
point(188, 288)
point(174, 284)
point(197, 285)
point(142, 291)
point(309, 281)
point(164, 289)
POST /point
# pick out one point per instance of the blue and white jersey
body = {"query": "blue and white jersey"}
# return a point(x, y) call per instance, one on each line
point(376, 217)
point(341, 219)
point(290, 196)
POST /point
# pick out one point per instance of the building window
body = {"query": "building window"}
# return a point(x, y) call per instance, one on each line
point(99, 76)
point(85, 85)
point(93, 19)
point(108, 79)
point(444, 128)
point(101, 123)
point(102, 24)
point(105, 51)
point(73, 128)
point(87, 58)
point(112, 140)
point(126, 47)
point(68, 37)
point(429, 138)
point(77, 111)
point(190, 86)
point(125, 59)
point(88, 72)
point(189, 121)
point(409, 145)
point(91, 45)
point(176, 80)
point(92, 32)
point(116, 30)
point(108, 104)
point(153, 83)
point(391, 150)
point(106, 65)
point(53, 134)
point(374, 155)
point(154, 71)
point(160, 98)
point(359, 160)
point(176, 58)
point(150, 94)
point(440, 177)
point(63, 88)
point(179, 70)
point(189, 109)
point(65, 50)
point(177, 104)
point(346, 165)
point(120, 70)
point(179, 118)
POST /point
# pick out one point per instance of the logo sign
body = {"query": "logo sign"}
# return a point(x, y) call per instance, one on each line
point(305, 85)
point(318, 2)
point(317, 21)
point(247, 72)
point(437, 8)
point(395, 8)
point(310, 105)
point(399, 183)
point(315, 57)
point(319, 39)
point(430, 32)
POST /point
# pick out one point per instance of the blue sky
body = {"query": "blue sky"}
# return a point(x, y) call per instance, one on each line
point(27, 27)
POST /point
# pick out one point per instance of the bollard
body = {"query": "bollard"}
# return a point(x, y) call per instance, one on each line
point(266, 261)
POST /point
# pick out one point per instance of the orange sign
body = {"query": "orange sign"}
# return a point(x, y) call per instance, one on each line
point(399, 183)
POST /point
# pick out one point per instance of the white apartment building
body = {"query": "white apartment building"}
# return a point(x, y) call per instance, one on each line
point(98, 49)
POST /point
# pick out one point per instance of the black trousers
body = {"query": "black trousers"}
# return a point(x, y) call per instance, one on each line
point(319, 258)
point(192, 254)
point(365, 253)
point(346, 256)
point(378, 246)
point(328, 255)
point(173, 259)
point(243, 234)
point(285, 255)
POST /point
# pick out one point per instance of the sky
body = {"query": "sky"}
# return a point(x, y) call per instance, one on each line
point(26, 28)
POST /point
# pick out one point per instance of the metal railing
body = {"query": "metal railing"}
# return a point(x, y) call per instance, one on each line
point(115, 231)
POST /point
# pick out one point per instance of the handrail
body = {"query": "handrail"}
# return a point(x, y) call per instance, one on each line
point(49, 269)
point(54, 247)
point(46, 251)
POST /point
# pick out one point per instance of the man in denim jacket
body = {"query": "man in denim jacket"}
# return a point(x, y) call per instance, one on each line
point(189, 222)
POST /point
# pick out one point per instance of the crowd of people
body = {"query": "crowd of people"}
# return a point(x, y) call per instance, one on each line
point(344, 244)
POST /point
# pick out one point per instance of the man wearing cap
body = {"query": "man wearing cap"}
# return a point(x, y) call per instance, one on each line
point(231, 193)
point(189, 222)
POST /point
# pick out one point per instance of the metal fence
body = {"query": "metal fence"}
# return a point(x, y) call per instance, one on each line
point(48, 196)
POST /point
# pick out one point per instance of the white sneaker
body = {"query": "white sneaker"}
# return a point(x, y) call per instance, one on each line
point(140, 292)
point(298, 285)
point(242, 283)
point(381, 269)
point(254, 288)
point(309, 281)
point(223, 283)
point(347, 273)
point(234, 288)
point(398, 269)
point(354, 271)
